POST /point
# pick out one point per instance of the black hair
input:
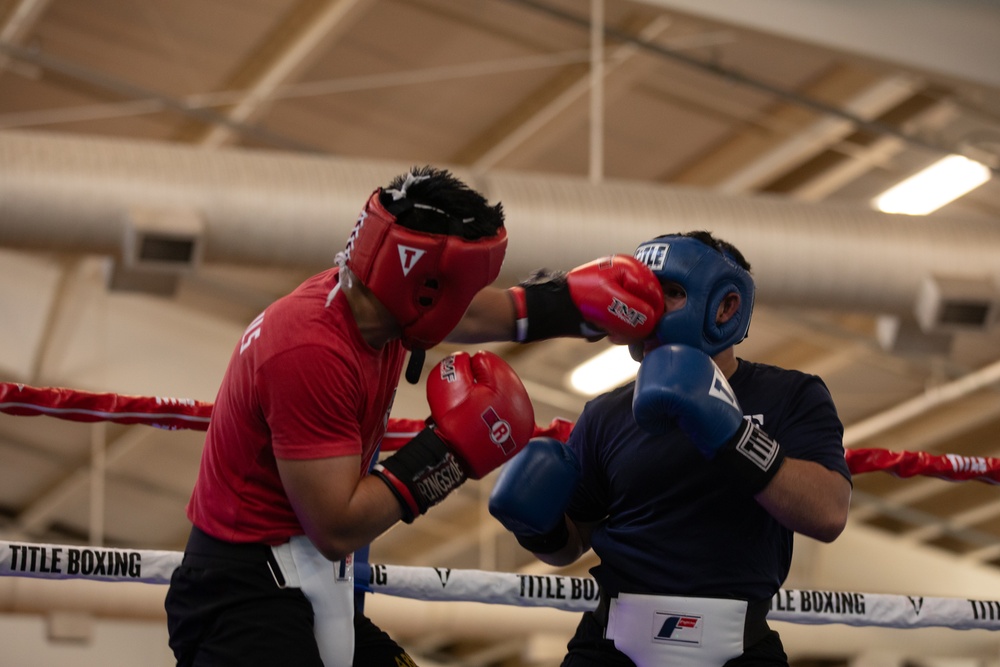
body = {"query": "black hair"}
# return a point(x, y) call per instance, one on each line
point(724, 247)
point(437, 202)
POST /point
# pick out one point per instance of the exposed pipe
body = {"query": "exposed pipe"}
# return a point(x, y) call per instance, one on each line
point(268, 208)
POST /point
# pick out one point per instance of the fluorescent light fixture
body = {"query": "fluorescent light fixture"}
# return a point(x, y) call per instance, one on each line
point(944, 181)
point(605, 371)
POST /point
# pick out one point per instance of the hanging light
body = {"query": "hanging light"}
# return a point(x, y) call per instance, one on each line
point(604, 371)
point(930, 189)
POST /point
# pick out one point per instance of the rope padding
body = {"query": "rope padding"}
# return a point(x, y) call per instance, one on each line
point(185, 413)
point(576, 594)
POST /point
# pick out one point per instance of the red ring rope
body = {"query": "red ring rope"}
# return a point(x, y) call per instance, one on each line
point(185, 413)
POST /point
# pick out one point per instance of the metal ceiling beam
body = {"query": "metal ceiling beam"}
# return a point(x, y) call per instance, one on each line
point(290, 54)
point(737, 77)
point(932, 398)
point(819, 136)
point(527, 125)
point(144, 96)
point(954, 523)
point(297, 90)
point(20, 19)
point(957, 39)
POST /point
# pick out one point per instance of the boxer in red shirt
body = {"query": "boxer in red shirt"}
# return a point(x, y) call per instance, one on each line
point(290, 486)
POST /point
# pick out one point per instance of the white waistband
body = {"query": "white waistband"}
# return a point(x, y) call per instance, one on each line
point(329, 587)
point(656, 630)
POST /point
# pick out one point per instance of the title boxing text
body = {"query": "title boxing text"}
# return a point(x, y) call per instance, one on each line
point(74, 561)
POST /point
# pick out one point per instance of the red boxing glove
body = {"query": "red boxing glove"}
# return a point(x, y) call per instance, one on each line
point(481, 416)
point(619, 295)
point(480, 410)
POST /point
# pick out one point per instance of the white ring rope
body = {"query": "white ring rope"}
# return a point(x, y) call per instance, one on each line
point(49, 561)
point(810, 607)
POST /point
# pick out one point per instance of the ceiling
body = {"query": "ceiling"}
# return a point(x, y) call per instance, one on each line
point(774, 122)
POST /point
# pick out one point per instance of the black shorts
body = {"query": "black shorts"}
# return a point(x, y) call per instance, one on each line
point(589, 648)
point(225, 608)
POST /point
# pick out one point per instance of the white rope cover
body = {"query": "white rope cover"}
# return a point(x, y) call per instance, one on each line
point(50, 561)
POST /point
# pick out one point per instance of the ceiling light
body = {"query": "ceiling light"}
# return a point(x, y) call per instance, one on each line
point(604, 371)
point(928, 190)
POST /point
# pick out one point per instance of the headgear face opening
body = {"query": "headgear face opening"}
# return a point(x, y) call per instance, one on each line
point(425, 280)
point(707, 276)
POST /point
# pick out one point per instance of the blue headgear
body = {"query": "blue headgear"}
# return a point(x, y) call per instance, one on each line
point(707, 276)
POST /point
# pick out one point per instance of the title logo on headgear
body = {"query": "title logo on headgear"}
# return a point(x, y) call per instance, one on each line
point(408, 257)
point(653, 255)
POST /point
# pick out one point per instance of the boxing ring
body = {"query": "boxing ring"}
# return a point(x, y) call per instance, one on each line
point(566, 593)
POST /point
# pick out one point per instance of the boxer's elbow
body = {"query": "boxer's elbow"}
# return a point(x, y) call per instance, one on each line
point(335, 552)
point(830, 527)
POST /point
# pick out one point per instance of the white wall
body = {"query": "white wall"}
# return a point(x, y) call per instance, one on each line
point(111, 643)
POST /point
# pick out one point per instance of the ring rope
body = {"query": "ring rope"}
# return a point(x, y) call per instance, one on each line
point(47, 561)
point(185, 413)
point(566, 593)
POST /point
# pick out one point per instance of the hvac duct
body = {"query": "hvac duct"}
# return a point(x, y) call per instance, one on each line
point(75, 194)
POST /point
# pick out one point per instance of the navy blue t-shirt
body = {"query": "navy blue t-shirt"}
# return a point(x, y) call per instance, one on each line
point(670, 522)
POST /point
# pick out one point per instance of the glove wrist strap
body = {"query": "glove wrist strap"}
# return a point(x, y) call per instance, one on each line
point(751, 458)
point(545, 309)
point(421, 473)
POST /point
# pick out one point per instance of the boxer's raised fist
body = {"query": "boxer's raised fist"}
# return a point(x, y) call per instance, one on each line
point(681, 385)
point(617, 296)
point(480, 409)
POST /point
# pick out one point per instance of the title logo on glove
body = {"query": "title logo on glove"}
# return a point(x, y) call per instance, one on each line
point(721, 390)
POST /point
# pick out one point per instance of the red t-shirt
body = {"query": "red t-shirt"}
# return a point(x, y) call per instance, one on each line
point(302, 384)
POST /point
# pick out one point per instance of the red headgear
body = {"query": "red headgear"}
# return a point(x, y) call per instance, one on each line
point(425, 280)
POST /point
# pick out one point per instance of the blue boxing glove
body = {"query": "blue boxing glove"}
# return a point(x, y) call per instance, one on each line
point(532, 492)
point(681, 385)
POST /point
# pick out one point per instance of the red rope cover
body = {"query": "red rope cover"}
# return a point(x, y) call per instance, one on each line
point(83, 406)
point(185, 413)
point(952, 467)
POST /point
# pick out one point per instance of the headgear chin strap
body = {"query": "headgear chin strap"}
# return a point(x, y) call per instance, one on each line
point(707, 276)
point(425, 280)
